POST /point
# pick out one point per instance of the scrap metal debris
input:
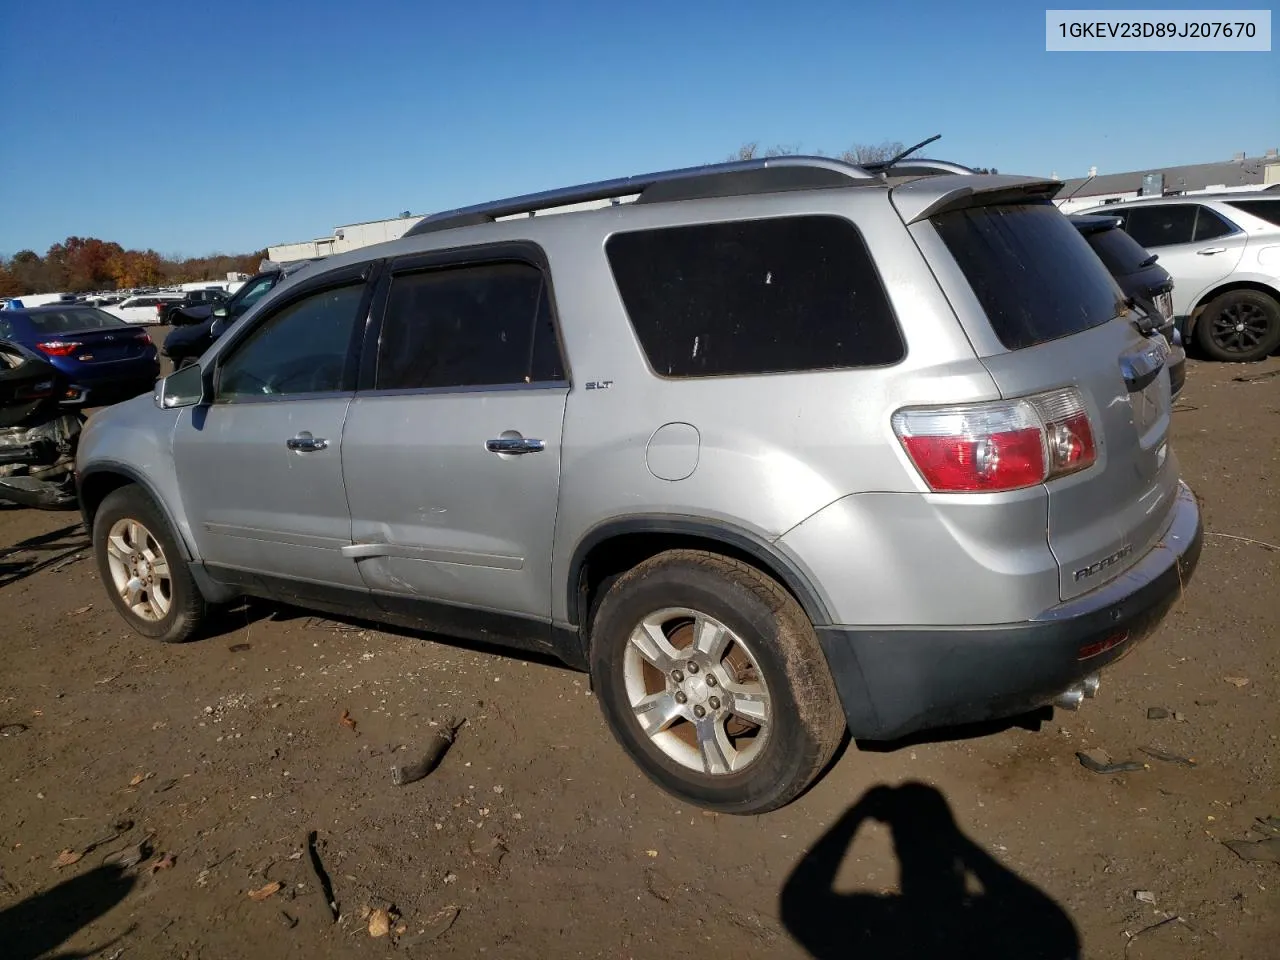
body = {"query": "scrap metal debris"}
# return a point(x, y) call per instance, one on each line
point(1168, 757)
point(1099, 761)
point(1157, 713)
point(131, 856)
point(439, 746)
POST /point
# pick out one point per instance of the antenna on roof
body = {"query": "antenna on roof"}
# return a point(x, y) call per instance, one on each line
point(1093, 173)
point(910, 150)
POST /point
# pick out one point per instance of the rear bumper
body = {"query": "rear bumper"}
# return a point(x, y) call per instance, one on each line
point(895, 681)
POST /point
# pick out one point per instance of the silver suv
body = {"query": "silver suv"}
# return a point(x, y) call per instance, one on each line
point(773, 449)
point(1223, 252)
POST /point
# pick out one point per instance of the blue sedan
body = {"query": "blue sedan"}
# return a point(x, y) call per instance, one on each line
point(104, 359)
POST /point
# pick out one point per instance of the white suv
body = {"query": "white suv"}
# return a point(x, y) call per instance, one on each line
point(1223, 252)
point(147, 308)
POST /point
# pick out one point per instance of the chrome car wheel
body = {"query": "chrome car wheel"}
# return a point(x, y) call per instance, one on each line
point(697, 691)
point(139, 570)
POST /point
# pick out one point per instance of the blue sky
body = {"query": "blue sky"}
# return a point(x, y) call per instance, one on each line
point(194, 128)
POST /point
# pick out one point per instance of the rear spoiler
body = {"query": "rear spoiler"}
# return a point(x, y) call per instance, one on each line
point(927, 197)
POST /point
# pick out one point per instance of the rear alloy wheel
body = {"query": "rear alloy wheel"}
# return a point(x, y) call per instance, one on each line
point(145, 575)
point(710, 675)
point(1240, 326)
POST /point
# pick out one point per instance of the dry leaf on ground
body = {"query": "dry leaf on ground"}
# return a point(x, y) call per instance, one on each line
point(263, 892)
point(66, 858)
point(379, 923)
point(347, 720)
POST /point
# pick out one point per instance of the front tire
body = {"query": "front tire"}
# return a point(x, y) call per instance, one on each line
point(710, 675)
point(144, 572)
point(1240, 326)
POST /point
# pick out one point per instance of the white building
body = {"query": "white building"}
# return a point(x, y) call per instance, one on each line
point(346, 238)
point(356, 235)
point(1240, 174)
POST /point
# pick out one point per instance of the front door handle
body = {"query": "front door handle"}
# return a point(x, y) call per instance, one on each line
point(304, 442)
point(1210, 251)
point(514, 445)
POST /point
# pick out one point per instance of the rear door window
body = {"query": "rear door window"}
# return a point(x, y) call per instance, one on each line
point(1210, 226)
point(1162, 225)
point(1032, 272)
point(755, 296)
point(468, 326)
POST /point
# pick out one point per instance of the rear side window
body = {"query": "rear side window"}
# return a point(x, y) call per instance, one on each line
point(1268, 210)
point(468, 326)
point(1163, 225)
point(757, 296)
point(1210, 226)
point(1033, 274)
point(1120, 253)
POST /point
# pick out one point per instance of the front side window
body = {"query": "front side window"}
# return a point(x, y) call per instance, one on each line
point(1162, 225)
point(302, 348)
point(468, 326)
point(755, 296)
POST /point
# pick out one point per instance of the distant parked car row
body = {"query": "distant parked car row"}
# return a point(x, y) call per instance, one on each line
point(141, 307)
point(1223, 253)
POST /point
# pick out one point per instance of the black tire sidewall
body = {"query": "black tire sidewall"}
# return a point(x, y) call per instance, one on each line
point(768, 780)
point(1204, 327)
point(131, 502)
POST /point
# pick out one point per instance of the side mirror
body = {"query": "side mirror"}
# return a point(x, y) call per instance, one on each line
point(183, 388)
point(220, 311)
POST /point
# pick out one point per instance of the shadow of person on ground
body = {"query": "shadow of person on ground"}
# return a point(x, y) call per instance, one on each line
point(43, 921)
point(22, 559)
point(955, 901)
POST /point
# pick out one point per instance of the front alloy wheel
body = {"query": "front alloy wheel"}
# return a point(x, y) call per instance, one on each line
point(139, 570)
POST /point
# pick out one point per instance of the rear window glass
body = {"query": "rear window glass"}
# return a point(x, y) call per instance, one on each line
point(757, 296)
point(71, 321)
point(1033, 274)
point(1119, 251)
point(1268, 210)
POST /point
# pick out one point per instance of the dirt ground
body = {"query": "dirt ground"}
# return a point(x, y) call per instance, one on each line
point(537, 837)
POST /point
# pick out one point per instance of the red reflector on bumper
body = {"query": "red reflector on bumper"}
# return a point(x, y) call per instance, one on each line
point(1102, 646)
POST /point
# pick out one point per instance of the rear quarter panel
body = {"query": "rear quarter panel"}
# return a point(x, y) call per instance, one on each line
point(772, 449)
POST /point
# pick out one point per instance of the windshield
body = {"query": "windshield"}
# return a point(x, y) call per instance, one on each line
point(71, 320)
point(252, 291)
point(1033, 274)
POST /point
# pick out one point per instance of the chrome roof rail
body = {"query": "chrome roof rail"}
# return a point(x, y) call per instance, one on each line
point(737, 178)
point(914, 166)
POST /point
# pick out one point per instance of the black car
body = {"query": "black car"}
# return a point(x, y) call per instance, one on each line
point(200, 325)
point(209, 297)
point(1140, 278)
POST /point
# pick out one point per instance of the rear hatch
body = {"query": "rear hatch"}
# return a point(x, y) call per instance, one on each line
point(1060, 320)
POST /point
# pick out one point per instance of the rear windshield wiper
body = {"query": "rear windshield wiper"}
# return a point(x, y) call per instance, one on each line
point(1146, 326)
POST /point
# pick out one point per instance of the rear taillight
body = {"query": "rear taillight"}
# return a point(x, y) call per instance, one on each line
point(59, 348)
point(1004, 445)
point(142, 336)
point(159, 310)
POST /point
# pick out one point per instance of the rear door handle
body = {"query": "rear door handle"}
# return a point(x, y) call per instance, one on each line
point(304, 442)
point(1209, 251)
point(514, 445)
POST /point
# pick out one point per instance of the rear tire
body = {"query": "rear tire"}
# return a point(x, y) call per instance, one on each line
point(142, 568)
point(1240, 326)
point(737, 647)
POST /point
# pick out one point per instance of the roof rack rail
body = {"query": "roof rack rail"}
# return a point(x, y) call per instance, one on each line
point(917, 165)
point(736, 178)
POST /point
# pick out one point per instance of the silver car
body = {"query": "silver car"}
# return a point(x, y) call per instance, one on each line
point(774, 449)
point(1223, 252)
